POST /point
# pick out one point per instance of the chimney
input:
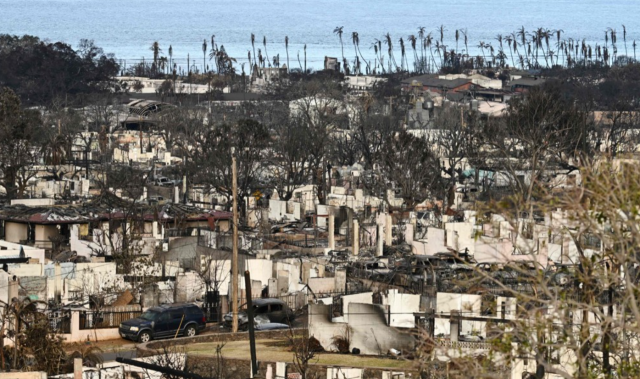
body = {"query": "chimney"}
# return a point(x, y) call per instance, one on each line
point(380, 248)
point(356, 238)
point(77, 368)
point(331, 230)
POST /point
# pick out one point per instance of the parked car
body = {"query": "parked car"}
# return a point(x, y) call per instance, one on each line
point(163, 181)
point(155, 199)
point(275, 310)
point(370, 269)
point(164, 321)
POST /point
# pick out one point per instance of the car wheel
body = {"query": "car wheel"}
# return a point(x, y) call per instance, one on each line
point(191, 331)
point(144, 337)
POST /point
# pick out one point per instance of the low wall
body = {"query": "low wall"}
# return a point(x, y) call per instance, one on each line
point(81, 335)
point(94, 335)
point(23, 375)
point(239, 368)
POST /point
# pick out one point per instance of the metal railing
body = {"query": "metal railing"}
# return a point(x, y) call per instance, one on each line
point(61, 324)
point(105, 320)
point(176, 232)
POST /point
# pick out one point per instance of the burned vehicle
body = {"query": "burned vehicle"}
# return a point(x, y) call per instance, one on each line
point(264, 311)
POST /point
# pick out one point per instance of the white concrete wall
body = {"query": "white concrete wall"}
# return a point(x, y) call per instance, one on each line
point(15, 232)
point(24, 375)
point(13, 249)
point(292, 267)
point(467, 305)
point(220, 272)
point(344, 372)
point(4, 287)
point(189, 287)
point(284, 210)
point(33, 202)
point(260, 269)
point(436, 241)
point(402, 306)
point(463, 233)
point(26, 269)
point(43, 233)
point(365, 298)
point(322, 285)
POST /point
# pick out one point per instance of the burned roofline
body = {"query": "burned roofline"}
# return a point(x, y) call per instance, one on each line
point(8, 260)
point(70, 215)
point(107, 218)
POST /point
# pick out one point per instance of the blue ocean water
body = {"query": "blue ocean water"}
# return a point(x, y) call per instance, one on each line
point(127, 28)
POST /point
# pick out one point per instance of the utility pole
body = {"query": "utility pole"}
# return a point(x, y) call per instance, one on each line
point(234, 261)
point(252, 336)
point(390, 98)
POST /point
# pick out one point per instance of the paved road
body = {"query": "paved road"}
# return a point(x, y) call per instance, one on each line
point(112, 355)
point(128, 350)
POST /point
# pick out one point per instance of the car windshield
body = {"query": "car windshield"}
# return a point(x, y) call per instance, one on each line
point(149, 315)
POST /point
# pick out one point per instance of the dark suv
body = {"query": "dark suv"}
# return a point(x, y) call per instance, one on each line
point(167, 320)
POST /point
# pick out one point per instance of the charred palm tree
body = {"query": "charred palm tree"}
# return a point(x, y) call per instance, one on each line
point(624, 39)
point(501, 57)
point(163, 64)
point(374, 46)
point(204, 56)
point(213, 53)
point(500, 40)
point(482, 46)
point(338, 31)
point(253, 45)
point(266, 54)
point(155, 48)
point(170, 56)
point(634, 50)
point(286, 47)
point(522, 35)
point(546, 35)
point(493, 55)
point(439, 49)
point(514, 45)
point(537, 38)
point(614, 40)
point(466, 40)
point(355, 39)
point(421, 36)
point(413, 40)
point(442, 29)
point(389, 42)
point(356, 43)
point(606, 45)
point(428, 43)
point(403, 54)
point(558, 43)
point(509, 41)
